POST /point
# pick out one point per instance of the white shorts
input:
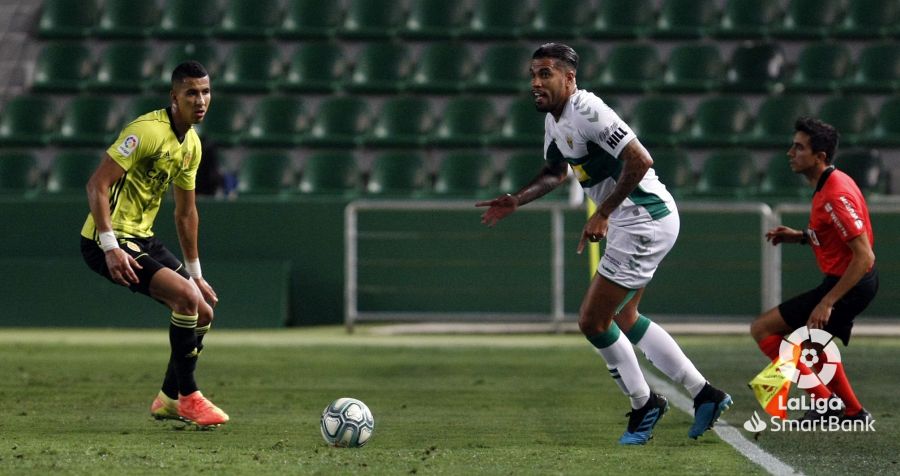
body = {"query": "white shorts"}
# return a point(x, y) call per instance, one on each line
point(634, 252)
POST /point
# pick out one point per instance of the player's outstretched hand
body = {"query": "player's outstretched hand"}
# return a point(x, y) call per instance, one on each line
point(121, 267)
point(208, 293)
point(783, 234)
point(500, 208)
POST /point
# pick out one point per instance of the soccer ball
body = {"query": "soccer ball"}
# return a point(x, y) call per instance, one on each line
point(347, 423)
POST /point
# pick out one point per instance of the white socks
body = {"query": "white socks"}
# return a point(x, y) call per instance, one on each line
point(622, 364)
point(665, 354)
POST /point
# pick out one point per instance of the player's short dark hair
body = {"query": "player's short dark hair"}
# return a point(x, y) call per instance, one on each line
point(561, 53)
point(188, 69)
point(822, 137)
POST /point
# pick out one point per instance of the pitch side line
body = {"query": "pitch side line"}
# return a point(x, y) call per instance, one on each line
point(728, 433)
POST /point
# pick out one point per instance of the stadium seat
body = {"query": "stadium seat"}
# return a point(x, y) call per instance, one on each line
point(589, 63)
point(522, 126)
point(497, 19)
point(88, 121)
point(329, 172)
point(127, 19)
point(251, 67)
point(821, 68)
point(225, 121)
point(443, 67)
point(521, 168)
point(264, 173)
point(188, 19)
point(719, 121)
point(465, 122)
point(869, 19)
point(673, 167)
point(310, 19)
point(877, 69)
point(850, 115)
point(381, 67)
point(559, 19)
point(755, 68)
point(433, 20)
point(693, 67)
point(62, 67)
point(622, 19)
point(371, 19)
point(659, 120)
point(865, 167)
point(630, 68)
point(70, 171)
point(780, 183)
point(727, 174)
point(887, 125)
point(249, 19)
point(504, 70)
point(140, 105)
point(124, 67)
point(679, 19)
point(278, 121)
point(339, 122)
point(18, 173)
point(404, 121)
point(67, 18)
point(397, 173)
point(808, 19)
point(748, 19)
point(315, 67)
point(201, 51)
point(465, 174)
point(775, 119)
point(27, 121)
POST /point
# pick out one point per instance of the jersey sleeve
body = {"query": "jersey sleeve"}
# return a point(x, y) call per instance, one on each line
point(599, 124)
point(135, 141)
point(187, 179)
point(844, 214)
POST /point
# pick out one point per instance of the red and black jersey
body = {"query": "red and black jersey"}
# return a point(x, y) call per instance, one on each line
point(839, 214)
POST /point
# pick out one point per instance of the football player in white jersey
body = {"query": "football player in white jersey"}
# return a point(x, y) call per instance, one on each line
point(637, 217)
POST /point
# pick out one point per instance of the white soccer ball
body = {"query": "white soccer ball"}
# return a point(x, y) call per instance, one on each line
point(347, 423)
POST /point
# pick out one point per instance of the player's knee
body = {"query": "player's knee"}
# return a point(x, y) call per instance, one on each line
point(187, 300)
point(758, 329)
point(205, 314)
point(592, 324)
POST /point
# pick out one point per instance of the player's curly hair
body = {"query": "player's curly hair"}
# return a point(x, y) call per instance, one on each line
point(560, 52)
point(822, 137)
point(188, 69)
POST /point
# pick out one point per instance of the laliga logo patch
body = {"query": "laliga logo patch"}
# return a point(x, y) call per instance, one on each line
point(805, 342)
point(128, 145)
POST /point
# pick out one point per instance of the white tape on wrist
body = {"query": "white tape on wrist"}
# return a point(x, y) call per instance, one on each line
point(193, 268)
point(108, 241)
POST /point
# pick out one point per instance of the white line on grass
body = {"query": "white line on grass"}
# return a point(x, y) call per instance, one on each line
point(728, 433)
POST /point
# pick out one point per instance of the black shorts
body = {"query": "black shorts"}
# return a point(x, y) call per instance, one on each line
point(796, 311)
point(149, 252)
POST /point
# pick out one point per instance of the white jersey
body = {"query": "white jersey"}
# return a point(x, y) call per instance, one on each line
point(590, 136)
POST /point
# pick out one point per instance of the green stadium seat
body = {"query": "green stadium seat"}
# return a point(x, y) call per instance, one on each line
point(659, 120)
point(821, 68)
point(443, 67)
point(249, 19)
point(264, 173)
point(809, 19)
point(201, 51)
point(398, 174)
point(251, 67)
point(497, 19)
point(403, 121)
point(62, 67)
point(728, 174)
point(679, 19)
point(225, 121)
point(140, 105)
point(877, 69)
point(775, 119)
point(315, 67)
point(70, 171)
point(504, 70)
point(869, 19)
point(630, 68)
point(755, 68)
point(465, 122)
point(88, 121)
point(622, 19)
point(521, 168)
point(559, 19)
point(188, 19)
point(780, 183)
point(465, 174)
point(522, 126)
point(310, 19)
point(371, 19)
point(18, 173)
point(865, 167)
point(434, 20)
point(693, 67)
point(673, 168)
point(278, 121)
point(67, 18)
point(850, 115)
point(887, 125)
point(589, 63)
point(719, 121)
point(381, 67)
point(124, 67)
point(748, 19)
point(339, 123)
point(27, 121)
point(329, 172)
point(127, 19)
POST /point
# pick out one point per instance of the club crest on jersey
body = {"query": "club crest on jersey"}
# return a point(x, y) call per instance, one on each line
point(187, 160)
point(569, 141)
point(128, 145)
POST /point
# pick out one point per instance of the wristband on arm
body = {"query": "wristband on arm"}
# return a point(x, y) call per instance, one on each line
point(108, 241)
point(193, 268)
